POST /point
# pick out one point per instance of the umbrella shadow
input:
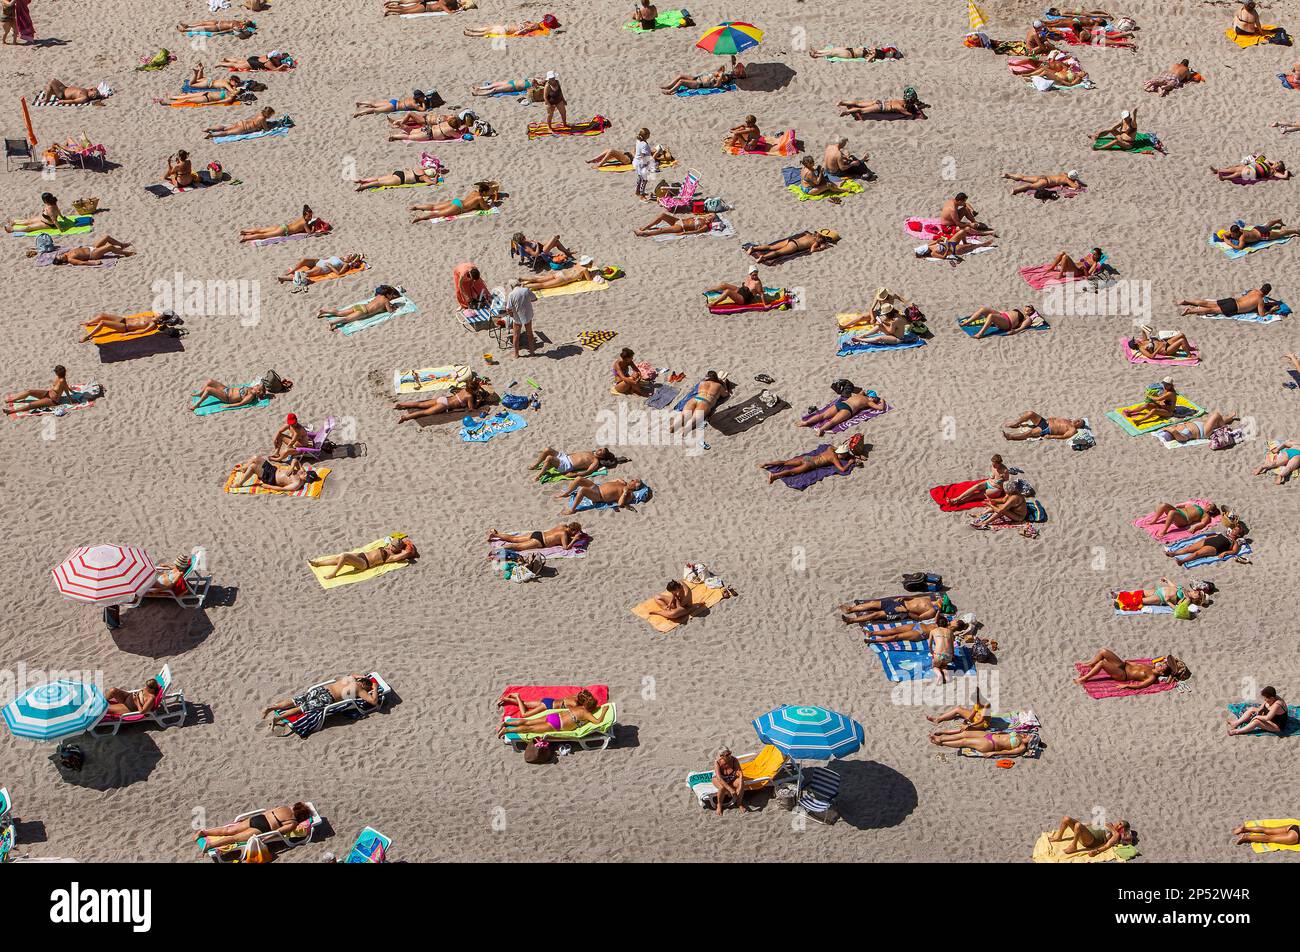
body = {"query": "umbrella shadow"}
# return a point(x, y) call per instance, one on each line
point(766, 77)
point(162, 631)
point(873, 796)
point(112, 763)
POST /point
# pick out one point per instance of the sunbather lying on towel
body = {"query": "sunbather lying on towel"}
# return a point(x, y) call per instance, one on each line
point(483, 197)
point(398, 549)
point(1033, 426)
point(628, 378)
point(1282, 457)
point(322, 267)
point(1276, 835)
point(1123, 134)
point(581, 489)
point(985, 743)
point(386, 299)
point(666, 224)
point(909, 107)
point(578, 464)
point(548, 24)
point(557, 537)
point(744, 136)
point(1054, 17)
point(1213, 546)
point(106, 247)
point(868, 53)
point(40, 398)
point(1256, 301)
point(282, 820)
point(1175, 77)
point(1200, 429)
point(907, 609)
point(991, 488)
point(584, 270)
point(507, 86)
point(1257, 168)
point(714, 80)
point(961, 242)
point(710, 391)
point(1239, 238)
point(566, 718)
point(660, 154)
point(1271, 715)
point(129, 324)
point(750, 291)
point(1165, 593)
point(1060, 69)
point(199, 80)
point(1191, 517)
point(1010, 508)
point(258, 123)
point(838, 160)
point(1134, 675)
point(1149, 345)
point(306, 223)
point(235, 396)
point(975, 717)
point(274, 62)
point(349, 686)
point(240, 28)
point(1033, 183)
point(1008, 322)
point(259, 468)
point(851, 401)
point(806, 242)
point(844, 458)
point(1086, 267)
point(57, 91)
point(418, 101)
point(428, 127)
point(1079, 838)
point(199, 97)
point(468, 399)
point(917, 631)
point(399, 7)
point(122, 702)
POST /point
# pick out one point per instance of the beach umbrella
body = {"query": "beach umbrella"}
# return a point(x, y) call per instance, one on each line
point(54, 710)
point(27, 121)
point(728, 39)
point(977, 19)
point(805, 732)
point(105, 574)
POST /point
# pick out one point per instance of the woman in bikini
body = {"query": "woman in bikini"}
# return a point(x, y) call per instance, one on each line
point(408, 7)
point(468, 399)
point(567, 718)
point(41, 398)
point(1008, 509)
point(673, 603)
point(1200, 429)
point(714, 80)
point(305, 223)
point(385, 300)
point(667, 224)
point(1149, 345)
point(553, 254)
point(584, 463)
point(430, 172)
point(628, 379)
point(750, 291)
point(282, 820)
point(506, 86)
point(953, 246)
point(1135, 675)
point(484, 196)
point(708, 393)
point(418, 101)
point(1277, 835)
point(991, 488)
point(844, 458)
point(322, 267)
point(399, 548)
point(585, 269)
point(1123, 134)
point(916, 631)
point(1008, 322)
point(117, 324)
point(529, 709)
point(868, 53)
point(133, 702)
point(620, 493)
point(275, 62)
point(1271, 714)
point(1255, 169)
point(1216, 545)
point(1282, 457)
point(548, 24)
point(558, 537)
point(429, 128)
point(1191, 517)
point(258, 123)
point(199, 80)
point(1085, 267)
point(985, 743)
point(234, 396)
point(806, 242)
point(104, 248)
point(1169, 594)
point(241, 28)
point(180, 171)
point(48, 219)
point(1082, 838)
point(973, 718)
point(909, 107)
point(1159, 403)
point(847, 405)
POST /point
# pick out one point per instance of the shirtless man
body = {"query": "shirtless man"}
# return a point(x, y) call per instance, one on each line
point(240, 28)
point(348, 687)
point(386, 300)
point(845, 457)
point(258, 123)
point(573, 465)
point(398, 549)
point(1256, 302)
point(837, 160)
point(845, 408)
point(750, 291)
point(915, 631)
point(957, 214)
point(57, 91)
point(890, 326)
point(39, 399)
point(293, 435)
point(666, 224)
point(1008, 322)
point(1010, 507)
point(1255, 169)
point(1175, 77)
point(429, 128)
point(468, 399)
point(291, 479)
point(744, 136)
point(1033, 183)
point(616, 491)
point(558, 537)
point(908, 608)
point(1240, 238)
point(805, 242)
point(1033, 426)
point(627, 377)
point(1036, 40)
point(955, 245)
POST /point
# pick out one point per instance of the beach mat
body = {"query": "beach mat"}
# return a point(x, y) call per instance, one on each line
point(1274, 847)
point(406, 307)
point(1134, 357)
point(1292, 725)
point(802, 481)
point(211, 404)
point(1048, 851)
point(854, 420)
point(847, 346)
point(1106, 686)
point(703, 598)
point(1145, 144)
point(1151, 526)
point(347, 576)
point(1185, 410)
point(739, 417)
point(1247, 40)
point(480, 431)
point(258, 488)
point(943, 496)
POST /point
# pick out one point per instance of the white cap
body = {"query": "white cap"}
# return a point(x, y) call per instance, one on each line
point(550, 74)
point(1072, 174)
point(753, 269)
point(464, 114)
point(1167, 380)
point(1038, 24)
point(1124, 114)
point(585, 260)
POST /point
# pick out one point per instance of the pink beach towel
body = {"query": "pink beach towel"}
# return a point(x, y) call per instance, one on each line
point(1135, 358)
point(529, 692)
point(1151, 526)
point(1042, 276)
point(925, 228)
point(1105, 686)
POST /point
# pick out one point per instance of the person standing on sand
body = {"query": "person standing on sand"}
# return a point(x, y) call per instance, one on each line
point(519, 316)
point(553, 96)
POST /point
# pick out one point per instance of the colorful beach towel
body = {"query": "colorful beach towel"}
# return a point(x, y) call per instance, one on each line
point(1184, 410)
point(1209, 559)
point(1145, 143)
point(534, 693)
point(480, 213)
point(588, 127)
point(786, 144)
point(482, 430)
point(1134, 357)
point(1152, 526)
point(685, 91)
point(971, 326)
point(79, 398)
point(258, 488)
point(577, 551)
point(1292, 722)
point(1247, 40)
point(1105, 686)
point(68, 225)
point(577, 287)
point(555, 476)
point(1042, 276)
point(430, 379)
point(347, 576)
point(775, 299)
point(703, 598)
point(860, 417)
point(1217, 240)
point(638, 496)
point(407, 306)
point(912, 660)
point(855, 342)
point(1273, 847)
point(665, 20)
point(210, 404)
point(844, 186)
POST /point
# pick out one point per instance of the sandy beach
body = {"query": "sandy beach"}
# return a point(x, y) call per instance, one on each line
point(448, 633)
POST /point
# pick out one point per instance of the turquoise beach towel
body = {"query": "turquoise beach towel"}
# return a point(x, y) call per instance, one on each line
point(638, 496)
point(280, 130)
point(728, 88)
point(480, 431)
point(211, 405)
point(1292, 725)
point(407, 307)
point(1209, 559)
point(848, 346)
point(1235, 253)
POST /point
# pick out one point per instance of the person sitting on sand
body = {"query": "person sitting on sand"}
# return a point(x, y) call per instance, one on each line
point(1256, 301)
point(973, 718)
point(105, 248)
point(49, 217)
point(991, 488)
point(1134, 675)
point(507, 86)
point(562, 719)
point(837, 160)
point(1215, 546)
point(908, 608)
point(1240, 238)
point(1078, 837)
point(674, 602)
point(1175, 77)
point(584, 269)
point(240, 28)
point(60, 93)
point(1190, 517)
point(1271, 715)
point(1037, 42)
point(121, 702)
point(1200, 429)
point(129, 324)
point(1032, 183)
point(291, 479)
point(1255, 168)
point(1168, 594)
point(557, 537)
point(1282, 457)
point(628, 378)
point(548, 24)
point(282, 820)
point(386, 299)
point(745, 136)
point(851, 401)
point(483, 197)
point(305, 224)
point(697, 408)
point(289, 438)
point(1009, 509)
point(715, 80)
point(408, 7)
point(951, 247)
point(180, 171)
point(750, 291)
point(41, 398)
point(1246, 22)
point(1276, 835)
point(616, 491)
point(909, 107)
point(1090, 265)
point(258, 123)
point(466, 399)
point(1123, 134)
point(418, 101)
point(844, 458)
point(814, 180)
point(274, 62)
point(1149, 345)
point(985, 743)
point(868, 54)
point(667, 224)
point(235, 396)
point(583, 463)
point(1035, 426)
point(1159, 402)
point(1008, 322)
point(399, 548)
point(332, 266)
point(957, 215)
point(805, 242)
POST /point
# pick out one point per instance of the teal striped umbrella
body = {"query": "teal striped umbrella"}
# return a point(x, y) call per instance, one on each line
point(805, 732)
point(54, 710)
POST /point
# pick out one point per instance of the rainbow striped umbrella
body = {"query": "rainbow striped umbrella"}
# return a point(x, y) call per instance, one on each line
point(728, 39)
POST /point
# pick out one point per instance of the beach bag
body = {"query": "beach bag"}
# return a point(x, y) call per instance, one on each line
point(1022, 487)
point(981, 649)
point(1082, 441)
point(70, 757)
point(1183, 610)
point(44, 244)
point(273, 382)
point(1179, 670)
point(1223, 439)
point(922, 582)
point(255, 851)
point(539, 752)
point(513, 401)
point(1280, 37)
point(714, 205)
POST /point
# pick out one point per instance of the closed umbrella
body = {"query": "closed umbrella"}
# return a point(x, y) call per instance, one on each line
point(805, 732)
point(105, 574)
point(728, 39)
point(58, 709)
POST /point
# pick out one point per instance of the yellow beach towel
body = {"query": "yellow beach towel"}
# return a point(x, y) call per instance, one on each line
point(702, 597)
point(259, 488)
point(849, 322)
point(1272, 847)
point(1158, 424)
point(1047, 851)
point(628, 167)
point(348, 576)
point(103, 336)
point(578, 287)
point(1246, 41)
point(431, 378)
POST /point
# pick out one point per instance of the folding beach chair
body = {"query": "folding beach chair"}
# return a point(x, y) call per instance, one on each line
point(296, 837)
point(371, 847)
point(19, 149)
point(683, 194)
point(188, 595)
point(320, 441)
point(817, 794)
point(490, 318)
point(767, 768)
point(168, 709)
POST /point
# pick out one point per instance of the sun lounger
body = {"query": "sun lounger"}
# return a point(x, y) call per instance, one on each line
point(587, 736)
point(768, 767)
point(371, 847)
point(292, 840)
point(189, 595)
point(168, 709)
point(355, 708)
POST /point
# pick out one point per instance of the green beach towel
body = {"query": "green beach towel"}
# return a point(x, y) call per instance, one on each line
point(68, 225)
point(1147, 144)
point(842, 187)
point(552, 476)
point(666, 20)
point(604, 726)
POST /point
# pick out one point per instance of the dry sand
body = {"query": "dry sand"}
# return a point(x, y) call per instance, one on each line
point(448, 635)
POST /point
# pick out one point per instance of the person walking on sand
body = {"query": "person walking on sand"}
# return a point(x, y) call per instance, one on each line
point(519, 316)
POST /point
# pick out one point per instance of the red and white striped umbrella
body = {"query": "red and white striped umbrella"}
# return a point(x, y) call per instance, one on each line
point(105, 574)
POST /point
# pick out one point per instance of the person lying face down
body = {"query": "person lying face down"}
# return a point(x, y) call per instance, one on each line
point(907, 609)
point(851, 400)
point(1034, 426)
point(619, 492)
point(563, 536)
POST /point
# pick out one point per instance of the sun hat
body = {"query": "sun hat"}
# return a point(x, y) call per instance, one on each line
point(550, 74)
point(1072, 174)
point(291, 419)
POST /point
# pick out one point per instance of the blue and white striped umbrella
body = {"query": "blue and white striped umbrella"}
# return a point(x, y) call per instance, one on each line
point(805, 732)
point(54, 710)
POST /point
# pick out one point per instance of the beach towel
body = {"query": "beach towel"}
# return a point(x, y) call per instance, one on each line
point(662, 397)
point(1104, 685)
point(427, 13)
point(627, 167)
point(943, 496)
point(481, 213)
point(739, 417)
point(431, 379)
point(201, 105)
point(785, 144)
point(1042, 276)
point(1217, 240)
point(210, 404)
point(1184, 410)
point(802, 481)
point(1134, 357)
point(775, 299)
point(637, 498)
point(1035, 512)
point(331, 275)
point(748, 248)
point(849, 345)
point(160, 60)
point(1283, 309)
point(577, 287)
point(103, 336)
point(1145, 143)
point(79, 398)
point(68, 225)
point(861, 417)
point(605, 725)
point(844, 186)
point(1209, 559)
point(665, 20)
point(347, 576)
point(534, 693)
point(1147, 610)
point(1292, 724)
point(1272, 847)
point(1286, 83)
point(1050, 851)
point(587, 127)
point(577, 551)
point(594, 340)
point(1152, 526)
point(46, 259)
point(1247, 40)
point(912, 660)
point(482, 430)
point(280, 130)
point(1061, 191)
point(555, 476)
point(684, 91)
point(702, 599)
point(722, 229)
point(971, 326)
point(407, 306)
point(258, 488)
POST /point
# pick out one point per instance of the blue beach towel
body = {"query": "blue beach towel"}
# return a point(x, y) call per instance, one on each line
point(280, 130)
point(848, 346)
point(1209, 559)
point(1285, 82)
point(480, 431)
point(911, 660)
point(728, 88)
point(1235, 253)
point(970, 330)
point(790, 176)
point(1292, 725)
point(407, 307)
point(1252, 318)
point(211, 405)
point(638, 496)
